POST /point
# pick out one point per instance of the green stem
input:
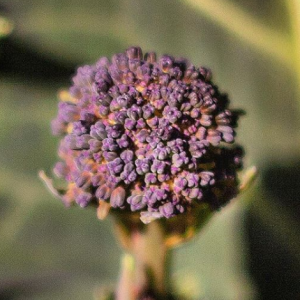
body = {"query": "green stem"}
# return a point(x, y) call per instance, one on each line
point(145, 268)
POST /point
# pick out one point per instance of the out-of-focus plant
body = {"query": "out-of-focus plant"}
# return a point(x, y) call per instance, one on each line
point(6, 27)
point(246, 27)
point(294, 10)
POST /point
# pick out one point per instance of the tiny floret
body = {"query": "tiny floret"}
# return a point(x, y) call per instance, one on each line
point(147, 134)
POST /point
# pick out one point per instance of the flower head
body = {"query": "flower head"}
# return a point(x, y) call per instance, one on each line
point(147, 134)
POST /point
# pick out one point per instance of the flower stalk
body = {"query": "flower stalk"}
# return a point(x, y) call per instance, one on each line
point(148, 265)
point(145, 266)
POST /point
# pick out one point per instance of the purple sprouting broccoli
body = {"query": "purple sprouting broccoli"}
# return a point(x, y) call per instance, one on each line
point(147, 135)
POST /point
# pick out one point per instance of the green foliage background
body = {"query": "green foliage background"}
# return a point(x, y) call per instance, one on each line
point(47, 252)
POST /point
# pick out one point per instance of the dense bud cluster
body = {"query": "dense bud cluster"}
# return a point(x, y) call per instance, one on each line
point(147, 134)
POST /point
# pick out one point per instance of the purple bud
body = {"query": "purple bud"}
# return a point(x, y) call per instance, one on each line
point(134, 53)
point(135, 112)
point(179, 184)
point(70, 142)
point(103, 110)
point(195, 100)
point(198, 148)
point(166, 63)
point(172, 114)
point(115, 131)
point(83, 199)
point(195, 193)
point(103, 62)
point(185, 107)
point(224, 118)
point(207, 178)
point(61, 169)
point(179, 159)
point(191, 73)
point(82, 142)
point(150, 57)
point(161, 153)
point(95, 145)
point(214, 137)
point(134, 64)
point(227, 133)
point(150, 178)
point(117, 197)
point(58, 127)
point(205, 73)
point(116, 74)
point(127, 156)
point(68, 112)
point(209, 105)
point(175, 170)
point(131, 177)
point(130, 124)
point(201, 133)
point(84, 76)
point(123, 142)
point(140, 124)
point(153, 122)
point(79, 128)
point(192, 179)
point(142, 166)
point(206, 120)
point(123, 101)
point(116, 166)
point(109, 156)
point(163, 177)
point(114, 105)
point(148, 111)
point(120, 117)
point(83, 181)
point(87, 118)
point(136, 202)
point(142, 135)
point(103, 192)
point(158, 166)
point(159, 104)
point(98, 131)
point(120, 60)
point(97, 180)
point(143, 73)
point(167, 210)
point(109, 144)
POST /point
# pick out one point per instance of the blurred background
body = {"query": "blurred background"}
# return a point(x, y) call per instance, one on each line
point(250, 250)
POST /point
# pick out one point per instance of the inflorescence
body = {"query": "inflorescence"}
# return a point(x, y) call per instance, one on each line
point(146, 134)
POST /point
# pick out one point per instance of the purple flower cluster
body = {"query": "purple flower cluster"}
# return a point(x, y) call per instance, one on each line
point(147, 134)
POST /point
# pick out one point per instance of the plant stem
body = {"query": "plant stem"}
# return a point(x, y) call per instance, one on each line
point(145, 269)
point(145, 266)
